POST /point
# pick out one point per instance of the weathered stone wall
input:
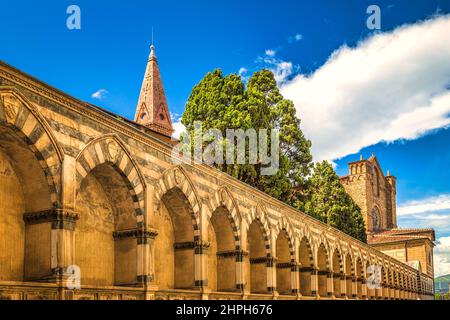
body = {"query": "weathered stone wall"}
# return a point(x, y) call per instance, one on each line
point(373, 192)
point(101, 194)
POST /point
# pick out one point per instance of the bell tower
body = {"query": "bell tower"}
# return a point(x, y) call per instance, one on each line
point(152, 110)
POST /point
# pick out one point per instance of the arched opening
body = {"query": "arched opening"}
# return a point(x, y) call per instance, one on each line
point(384, 290)
point(337, 273)
point(24, 249)
point(258, 258)
point(377, 182)
point(322, 271)
point(370, 281)
point(105, 252)
point(174, 246)
point(391, 284)
point(306, 268)
point(376, 219)
point(359, 278)
point(349, 276)
point(283, 264)
point(221, 260)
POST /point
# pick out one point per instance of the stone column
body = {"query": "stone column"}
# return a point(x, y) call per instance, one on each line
point(201, 247)
point(54, 228)
point(271, 266)
point(271, 275)
point(240, 270)
point(364, 288)
point(354, 287)
point(201, 264)
point(63, 226)
point(242, 281)
point(295, 278)
point(343, 286)
point(146, 261)
point(315, 282)
point(330, 284)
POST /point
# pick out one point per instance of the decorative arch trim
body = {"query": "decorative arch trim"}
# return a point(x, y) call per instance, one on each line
point(327, 255)
point(285, 226)
point(17, 112)
point(224, 198)
point(110, 149)
point(310, 251)
point(258, 214)
point(340, 259)
point(176, 177)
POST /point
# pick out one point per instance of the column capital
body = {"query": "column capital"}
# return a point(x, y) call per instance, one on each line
point(141, 235)
point(59, 218)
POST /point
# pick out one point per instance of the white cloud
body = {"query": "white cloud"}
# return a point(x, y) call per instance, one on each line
point(99, 94)
point(298, 37)
point(179, 129)
point(441, 202)
point(431, 212)
point(242, 71)
point(295, 38)
point(281, 69)
point(442, 257)
point(391, 86)
point(270, 53)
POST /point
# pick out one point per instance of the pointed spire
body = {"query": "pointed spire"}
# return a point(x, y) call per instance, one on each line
point(152, 53)
point(152, 110)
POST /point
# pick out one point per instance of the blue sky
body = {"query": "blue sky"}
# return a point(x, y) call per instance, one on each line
point(307, 44)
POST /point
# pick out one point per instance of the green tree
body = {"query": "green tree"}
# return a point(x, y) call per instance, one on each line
point(328, 201)
point(224, 102)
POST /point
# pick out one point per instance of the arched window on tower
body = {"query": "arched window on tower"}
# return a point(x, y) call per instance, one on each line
point(376, 219)
point(377, 182)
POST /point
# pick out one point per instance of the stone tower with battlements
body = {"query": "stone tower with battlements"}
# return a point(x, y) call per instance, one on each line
point(375, 194)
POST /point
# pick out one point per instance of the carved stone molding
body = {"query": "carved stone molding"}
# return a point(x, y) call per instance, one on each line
point(142, 236)
point(199, 246)
point(60, 218)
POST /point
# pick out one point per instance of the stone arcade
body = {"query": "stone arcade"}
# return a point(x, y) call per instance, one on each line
point(80, 186)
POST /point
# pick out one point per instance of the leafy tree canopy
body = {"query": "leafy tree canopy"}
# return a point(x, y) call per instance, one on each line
point(328, 201)
point(225, 102)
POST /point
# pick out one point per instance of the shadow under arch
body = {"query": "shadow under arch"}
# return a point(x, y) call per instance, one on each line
point(177, 214)
point(30, 165)
point(224, 236)
point(306, 260)
point(259, 251)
